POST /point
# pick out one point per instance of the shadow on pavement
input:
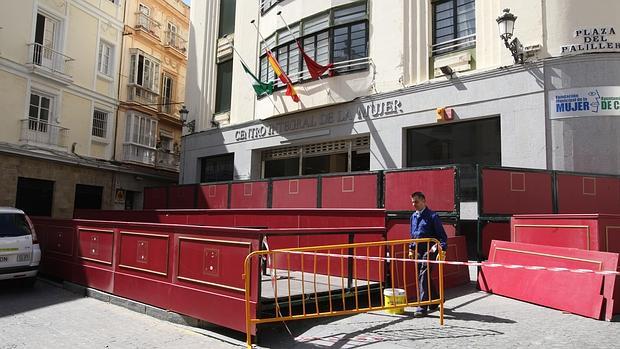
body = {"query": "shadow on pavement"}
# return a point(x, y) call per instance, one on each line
point(15, 298)
point(380, 327)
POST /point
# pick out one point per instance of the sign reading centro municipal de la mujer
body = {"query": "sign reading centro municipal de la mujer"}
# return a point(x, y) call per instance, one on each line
point(333, 116)
point(598, 39)
point(589, 101)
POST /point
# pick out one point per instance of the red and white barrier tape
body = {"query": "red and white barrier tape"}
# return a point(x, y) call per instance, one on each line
point(475, 264)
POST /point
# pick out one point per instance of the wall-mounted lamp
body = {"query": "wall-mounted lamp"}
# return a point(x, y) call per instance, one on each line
point(191, 125)
point(506, 24)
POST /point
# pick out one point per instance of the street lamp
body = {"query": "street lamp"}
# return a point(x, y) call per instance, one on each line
point(191, 125)
point(506, 24)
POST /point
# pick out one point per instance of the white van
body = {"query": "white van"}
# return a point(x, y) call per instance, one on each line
point(20, 253)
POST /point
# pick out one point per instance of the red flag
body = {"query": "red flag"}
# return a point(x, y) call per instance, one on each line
point(315, 69)
point(290, 90)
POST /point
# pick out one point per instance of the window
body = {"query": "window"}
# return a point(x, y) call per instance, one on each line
point(144, 71)
point(217, 168)
point(265, 5)
point(326, 157)
point(227, 17)
point(105, 58)
point(100, 124)
point(454, 25)
point(34, 196)
point(339, 35)
point(39, 112)
point(141, 129)
point(223, 87)
point(166, 93)
point(46, 41)
point(469, 142)
point(87, 197)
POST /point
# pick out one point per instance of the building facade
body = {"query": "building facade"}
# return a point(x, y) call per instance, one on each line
point(60, 70)
point(414, 83)
point(152, 82)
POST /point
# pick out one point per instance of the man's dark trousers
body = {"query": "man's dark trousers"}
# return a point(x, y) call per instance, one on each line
point(424, 272)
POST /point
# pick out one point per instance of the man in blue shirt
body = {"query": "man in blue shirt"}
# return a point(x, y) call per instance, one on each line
point(425, 223)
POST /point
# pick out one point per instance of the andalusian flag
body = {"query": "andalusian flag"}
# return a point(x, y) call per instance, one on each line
point(290, 90)
point(261, 88)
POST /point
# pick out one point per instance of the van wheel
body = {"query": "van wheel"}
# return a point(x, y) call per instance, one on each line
point(29, 282)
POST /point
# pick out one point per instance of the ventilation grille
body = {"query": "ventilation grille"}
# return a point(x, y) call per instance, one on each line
point(326, 148)
point(281, 153)
point(342, 146)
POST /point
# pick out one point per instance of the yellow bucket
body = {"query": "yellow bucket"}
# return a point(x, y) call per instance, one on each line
point(394, 296)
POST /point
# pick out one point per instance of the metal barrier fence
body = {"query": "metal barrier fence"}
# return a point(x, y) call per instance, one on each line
point(310, 282)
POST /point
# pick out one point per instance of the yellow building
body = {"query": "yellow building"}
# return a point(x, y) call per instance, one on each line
point(59, 85)
point(152, 85)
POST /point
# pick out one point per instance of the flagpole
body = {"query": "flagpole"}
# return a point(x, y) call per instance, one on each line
point(279, 13)
point(243, 61)
point(259, 34)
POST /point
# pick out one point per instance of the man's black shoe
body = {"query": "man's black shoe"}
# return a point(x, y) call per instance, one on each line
point(433, 307)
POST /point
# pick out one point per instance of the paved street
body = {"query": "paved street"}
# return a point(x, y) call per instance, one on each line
point(52, 317)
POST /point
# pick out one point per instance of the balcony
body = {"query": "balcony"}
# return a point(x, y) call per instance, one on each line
point(41, 133)
point(142, 154)
point(49, 63)
point(141, 95)
point(167, 160)
point(176, 42)
point(147, 24)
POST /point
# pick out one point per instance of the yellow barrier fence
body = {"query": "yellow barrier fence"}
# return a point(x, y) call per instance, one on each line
point(335, 280)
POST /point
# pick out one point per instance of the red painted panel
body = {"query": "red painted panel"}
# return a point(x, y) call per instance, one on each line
point(358, 191)
point(213, 196)
point(93, 275)
point(493, 231)
point(612, 237)
point(294, 193)
point(182, 196)
point(398, 229)
point(155, 198)
point(558, 234)
point(212, 307)
point(96, 245)
point(588, 194)
point(211, 262)
point(574, 292)
point(585, 231)
point(437, 185)
point(145, 289)
point(60, 241)
point(249, 194)
point(144, 253)
point(516, 191)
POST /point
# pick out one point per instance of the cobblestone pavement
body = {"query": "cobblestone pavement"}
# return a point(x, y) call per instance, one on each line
point(473, 319)
point(52, 317)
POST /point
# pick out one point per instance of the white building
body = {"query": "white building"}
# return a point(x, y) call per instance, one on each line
point(392, 102)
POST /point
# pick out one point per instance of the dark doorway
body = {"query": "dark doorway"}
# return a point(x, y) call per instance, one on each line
point(217, 168)
point(469, 142)
point(88, 197)
point(35, 196)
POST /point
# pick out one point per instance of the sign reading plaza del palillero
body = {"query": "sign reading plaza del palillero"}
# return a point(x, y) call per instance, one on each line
point(590, 101)
point(599, 39)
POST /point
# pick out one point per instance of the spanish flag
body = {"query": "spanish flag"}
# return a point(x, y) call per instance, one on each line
point(290, 90)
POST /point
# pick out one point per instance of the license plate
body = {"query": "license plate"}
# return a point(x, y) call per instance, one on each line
point(4, 259)
point(23, 257)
